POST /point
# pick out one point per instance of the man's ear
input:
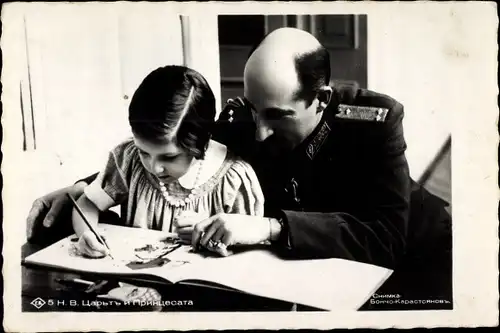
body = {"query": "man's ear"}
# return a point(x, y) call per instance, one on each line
point(324, 97)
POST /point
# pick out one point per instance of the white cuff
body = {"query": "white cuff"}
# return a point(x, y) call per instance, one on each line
point(98, 196)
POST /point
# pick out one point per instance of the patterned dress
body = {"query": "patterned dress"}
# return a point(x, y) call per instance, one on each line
point(224, 183)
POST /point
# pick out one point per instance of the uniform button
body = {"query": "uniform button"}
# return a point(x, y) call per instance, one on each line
point(231, 112)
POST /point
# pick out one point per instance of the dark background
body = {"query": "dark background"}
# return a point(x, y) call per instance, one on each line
point(345, 36)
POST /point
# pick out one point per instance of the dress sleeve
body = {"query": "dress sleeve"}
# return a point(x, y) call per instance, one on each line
point(111, 186)
point(242, 193)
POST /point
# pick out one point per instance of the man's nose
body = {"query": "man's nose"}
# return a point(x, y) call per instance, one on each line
point(263, 131)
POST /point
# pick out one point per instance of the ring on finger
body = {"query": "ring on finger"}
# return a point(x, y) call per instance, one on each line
point(221, 245)
point(216, 244)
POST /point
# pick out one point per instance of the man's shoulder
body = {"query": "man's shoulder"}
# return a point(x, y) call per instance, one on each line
point(235, 110)
point(366, 105)
point(376, 99)
point(366, 121)
point(235, 128)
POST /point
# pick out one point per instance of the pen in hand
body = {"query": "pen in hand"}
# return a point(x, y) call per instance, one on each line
point(84, 218)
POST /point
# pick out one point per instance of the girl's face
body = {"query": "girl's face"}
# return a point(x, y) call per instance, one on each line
point(166, 160)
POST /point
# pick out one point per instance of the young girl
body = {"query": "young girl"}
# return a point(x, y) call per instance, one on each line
point(171, 165)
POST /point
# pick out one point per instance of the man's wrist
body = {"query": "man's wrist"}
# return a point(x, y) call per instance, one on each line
point(275, 228)
point(280, 237)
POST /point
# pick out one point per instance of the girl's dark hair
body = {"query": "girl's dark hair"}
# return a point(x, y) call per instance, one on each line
point(174, 100)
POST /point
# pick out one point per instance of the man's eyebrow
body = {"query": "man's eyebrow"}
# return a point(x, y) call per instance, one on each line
point(272, 112)
point(277, 112)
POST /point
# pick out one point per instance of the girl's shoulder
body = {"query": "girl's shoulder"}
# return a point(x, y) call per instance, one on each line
point(238, 164)
point(222, 166)
point(124, 155)
point(239, 180)
point(234, 169)
point(239, 171)
point(125, 149)
point(226, 160)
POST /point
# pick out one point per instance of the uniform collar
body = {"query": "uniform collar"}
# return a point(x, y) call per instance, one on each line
point(214, 158)
point(313, 143)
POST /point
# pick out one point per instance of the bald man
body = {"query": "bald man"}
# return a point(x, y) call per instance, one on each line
point(331, 162)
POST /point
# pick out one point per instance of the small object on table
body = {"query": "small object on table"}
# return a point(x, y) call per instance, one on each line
point(176, 240)
point(140, 298)
point(85, 286)
point(218, 247)
point(158, 262)
point(74, 282)
point(97, 287)
point(155, 262)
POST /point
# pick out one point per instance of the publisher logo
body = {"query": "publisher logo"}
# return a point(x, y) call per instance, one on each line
point(38, 302)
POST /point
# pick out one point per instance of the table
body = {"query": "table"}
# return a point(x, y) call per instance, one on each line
point(40, 282)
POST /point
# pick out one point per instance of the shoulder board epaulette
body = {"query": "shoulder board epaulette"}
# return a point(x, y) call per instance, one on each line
point(232, 105)
point(367, 113)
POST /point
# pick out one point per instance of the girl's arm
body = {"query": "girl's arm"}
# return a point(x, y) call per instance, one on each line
point(108, 189)
point(90, 211)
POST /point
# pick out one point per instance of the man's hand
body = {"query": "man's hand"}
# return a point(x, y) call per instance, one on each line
point(231, 229)
point(50, 215)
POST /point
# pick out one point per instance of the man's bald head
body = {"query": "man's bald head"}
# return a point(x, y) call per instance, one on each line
point(286, 83)
point(292, 59)
point(289, 37)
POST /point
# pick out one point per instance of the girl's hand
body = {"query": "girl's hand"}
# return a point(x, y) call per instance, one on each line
point(185, 223)
point(89, 246)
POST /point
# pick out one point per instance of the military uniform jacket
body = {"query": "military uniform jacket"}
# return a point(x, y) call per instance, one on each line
point(345, 191)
